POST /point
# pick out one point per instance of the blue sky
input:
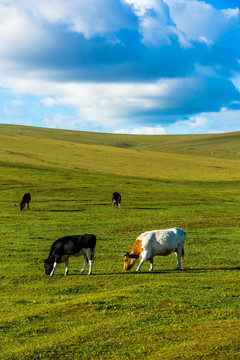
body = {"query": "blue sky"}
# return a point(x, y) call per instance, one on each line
point(121, 66)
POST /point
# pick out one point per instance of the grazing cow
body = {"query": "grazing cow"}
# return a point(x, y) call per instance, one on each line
point(156, 242)
point(25, 200)
point(116, 200)
point(67, 246)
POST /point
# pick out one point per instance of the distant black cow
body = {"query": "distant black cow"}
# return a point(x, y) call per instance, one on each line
point(25, 200)
point(116, 200)
point(67, 246)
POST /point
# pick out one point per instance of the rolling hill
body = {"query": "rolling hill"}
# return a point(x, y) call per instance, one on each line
point(213, 145)
point(191, 182)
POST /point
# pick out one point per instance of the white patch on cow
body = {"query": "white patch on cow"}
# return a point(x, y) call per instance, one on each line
point(54, 268)
point(66, 266)
point(90, 267)
point(88, 259)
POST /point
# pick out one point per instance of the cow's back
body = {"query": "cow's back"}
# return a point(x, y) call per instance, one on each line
point(71, 245)
point(162, 242)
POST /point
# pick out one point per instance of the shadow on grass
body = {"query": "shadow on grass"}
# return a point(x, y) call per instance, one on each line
point(67, 210)
point(211, 269)
point(173, 271)
point(154, 272)
point(55, 210)
point(148, 208)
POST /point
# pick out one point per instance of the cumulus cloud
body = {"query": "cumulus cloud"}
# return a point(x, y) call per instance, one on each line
point(19, 33)
point(200, 21)
point(196, 123)
point(99, 64)
point(90, 18)
point(114, 104)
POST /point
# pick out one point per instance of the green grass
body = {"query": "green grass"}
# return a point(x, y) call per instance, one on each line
point(190, 314)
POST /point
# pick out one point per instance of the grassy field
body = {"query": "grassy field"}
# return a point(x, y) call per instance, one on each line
point(191, 182)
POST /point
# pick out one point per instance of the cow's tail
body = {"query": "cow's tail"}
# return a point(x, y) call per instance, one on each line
point(182, 257)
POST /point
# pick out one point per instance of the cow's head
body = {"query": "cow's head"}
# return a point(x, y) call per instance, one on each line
point(21, 206)
point(48, 266)
point(129, 260)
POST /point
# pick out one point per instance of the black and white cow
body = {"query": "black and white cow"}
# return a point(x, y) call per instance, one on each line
point(116, 200)
point(67, 246)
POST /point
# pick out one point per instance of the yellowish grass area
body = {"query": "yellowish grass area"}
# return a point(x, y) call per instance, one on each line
point(51, 153)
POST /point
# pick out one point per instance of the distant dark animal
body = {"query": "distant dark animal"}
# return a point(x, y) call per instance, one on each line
point(156, 242)
point(25, 200)
point(116, 200)
point(67, 246)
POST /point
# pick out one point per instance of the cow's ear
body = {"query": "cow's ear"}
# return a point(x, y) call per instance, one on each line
point(126, 255)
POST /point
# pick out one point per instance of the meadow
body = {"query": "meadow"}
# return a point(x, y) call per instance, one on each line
point(191, 182)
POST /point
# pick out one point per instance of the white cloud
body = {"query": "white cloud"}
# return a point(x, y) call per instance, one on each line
point(19, 33)
point(59, 121)
point(113, 104)
point(143, 130)
point(224, 120)
point(200, 21)
point(231, 13)
point(161, 21)
point(213, 122)
point(49, 101)
point(156, 25)
point(28, 29)
point(106, 104)
point(236, 79)
point(90, 18)
point(194, 123)
point(14, 112)
point(16, 102)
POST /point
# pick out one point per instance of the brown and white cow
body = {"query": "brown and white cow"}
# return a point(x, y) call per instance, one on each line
point(25, 200)
point(153, 243)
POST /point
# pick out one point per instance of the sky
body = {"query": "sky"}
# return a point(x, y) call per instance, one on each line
point(121, 66)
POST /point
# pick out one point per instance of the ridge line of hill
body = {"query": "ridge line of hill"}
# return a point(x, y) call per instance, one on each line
point(221, 145)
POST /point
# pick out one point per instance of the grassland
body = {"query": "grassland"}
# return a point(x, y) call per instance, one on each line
point(187, 181)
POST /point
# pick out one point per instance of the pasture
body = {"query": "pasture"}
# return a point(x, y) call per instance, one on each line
point(188, 182)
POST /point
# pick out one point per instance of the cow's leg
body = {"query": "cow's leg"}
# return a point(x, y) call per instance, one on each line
point(85, 262)
point(147, 255)
point(140, 264)
point(151, 264)
point(90, 267)
point(27, 206)
point(54, 268)
point(143, 258)
point(90, 258)
point(66, 266)
point(119, 205)
point(179, 253)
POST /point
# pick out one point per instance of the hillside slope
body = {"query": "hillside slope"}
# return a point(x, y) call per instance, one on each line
point(212, 145)
point(56, 149)
point(71, 177)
